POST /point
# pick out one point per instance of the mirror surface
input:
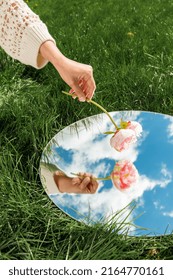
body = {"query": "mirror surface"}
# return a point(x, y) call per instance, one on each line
point(83, 147)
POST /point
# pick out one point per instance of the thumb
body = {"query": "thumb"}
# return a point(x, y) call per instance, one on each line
point(79, 93)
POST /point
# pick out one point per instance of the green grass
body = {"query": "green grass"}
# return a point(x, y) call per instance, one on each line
point(131, 72)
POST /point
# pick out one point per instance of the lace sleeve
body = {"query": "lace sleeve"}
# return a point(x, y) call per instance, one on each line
point(22, 33)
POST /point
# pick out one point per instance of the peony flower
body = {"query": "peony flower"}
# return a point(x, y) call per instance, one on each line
point(124, 175)
point(122, 139)
point(136, 127)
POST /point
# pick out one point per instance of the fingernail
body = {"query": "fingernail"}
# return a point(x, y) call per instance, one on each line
point(82, 99)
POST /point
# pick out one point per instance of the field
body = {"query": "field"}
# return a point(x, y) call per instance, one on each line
point(129, 44)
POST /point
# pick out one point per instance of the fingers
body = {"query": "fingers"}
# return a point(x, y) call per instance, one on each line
point(85, 87)
point(90, 88)
point(76, 181)
point(94, 185)
point(78, 91)
point(85, 180)
point(86, 183)
point(72, 92)
point(82, 180)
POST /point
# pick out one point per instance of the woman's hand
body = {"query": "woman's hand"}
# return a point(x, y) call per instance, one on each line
point(83, 184)
point(86, 183)
point(77, 75)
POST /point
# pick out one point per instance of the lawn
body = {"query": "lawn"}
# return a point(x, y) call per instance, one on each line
point(129, 43)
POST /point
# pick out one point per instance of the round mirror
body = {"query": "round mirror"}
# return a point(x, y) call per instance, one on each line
point(147, 207)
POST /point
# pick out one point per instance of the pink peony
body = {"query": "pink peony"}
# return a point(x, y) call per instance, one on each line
point(124, 175)
point(136, 127)
point(122, 139)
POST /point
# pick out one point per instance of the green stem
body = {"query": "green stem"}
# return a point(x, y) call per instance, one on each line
point(99, 106)
point(97, 179)
point(67, 93)
point(103, 109)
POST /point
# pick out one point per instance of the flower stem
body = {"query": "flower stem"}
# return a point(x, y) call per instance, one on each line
point(104, 110)
point(99, 106)
point(97, 179)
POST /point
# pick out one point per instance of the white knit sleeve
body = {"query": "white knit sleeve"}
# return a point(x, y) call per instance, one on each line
point(22, 33)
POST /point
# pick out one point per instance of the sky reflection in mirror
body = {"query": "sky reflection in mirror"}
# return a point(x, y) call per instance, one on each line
point(82, 147)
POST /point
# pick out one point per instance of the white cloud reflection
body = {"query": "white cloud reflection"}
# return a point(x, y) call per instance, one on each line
point(169, 214)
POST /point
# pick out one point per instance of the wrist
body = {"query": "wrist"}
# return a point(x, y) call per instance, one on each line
point(50, 52)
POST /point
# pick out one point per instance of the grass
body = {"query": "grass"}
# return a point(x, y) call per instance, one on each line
point(133, 71)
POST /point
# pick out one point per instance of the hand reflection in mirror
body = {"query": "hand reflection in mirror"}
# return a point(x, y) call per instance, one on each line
point(83, 184)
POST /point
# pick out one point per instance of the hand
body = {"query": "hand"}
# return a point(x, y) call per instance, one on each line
point(86, 183)
point(83, 184)
point(77, 75)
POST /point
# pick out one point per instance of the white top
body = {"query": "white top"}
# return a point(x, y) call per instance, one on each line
point(47, 180)
point(22, 33)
